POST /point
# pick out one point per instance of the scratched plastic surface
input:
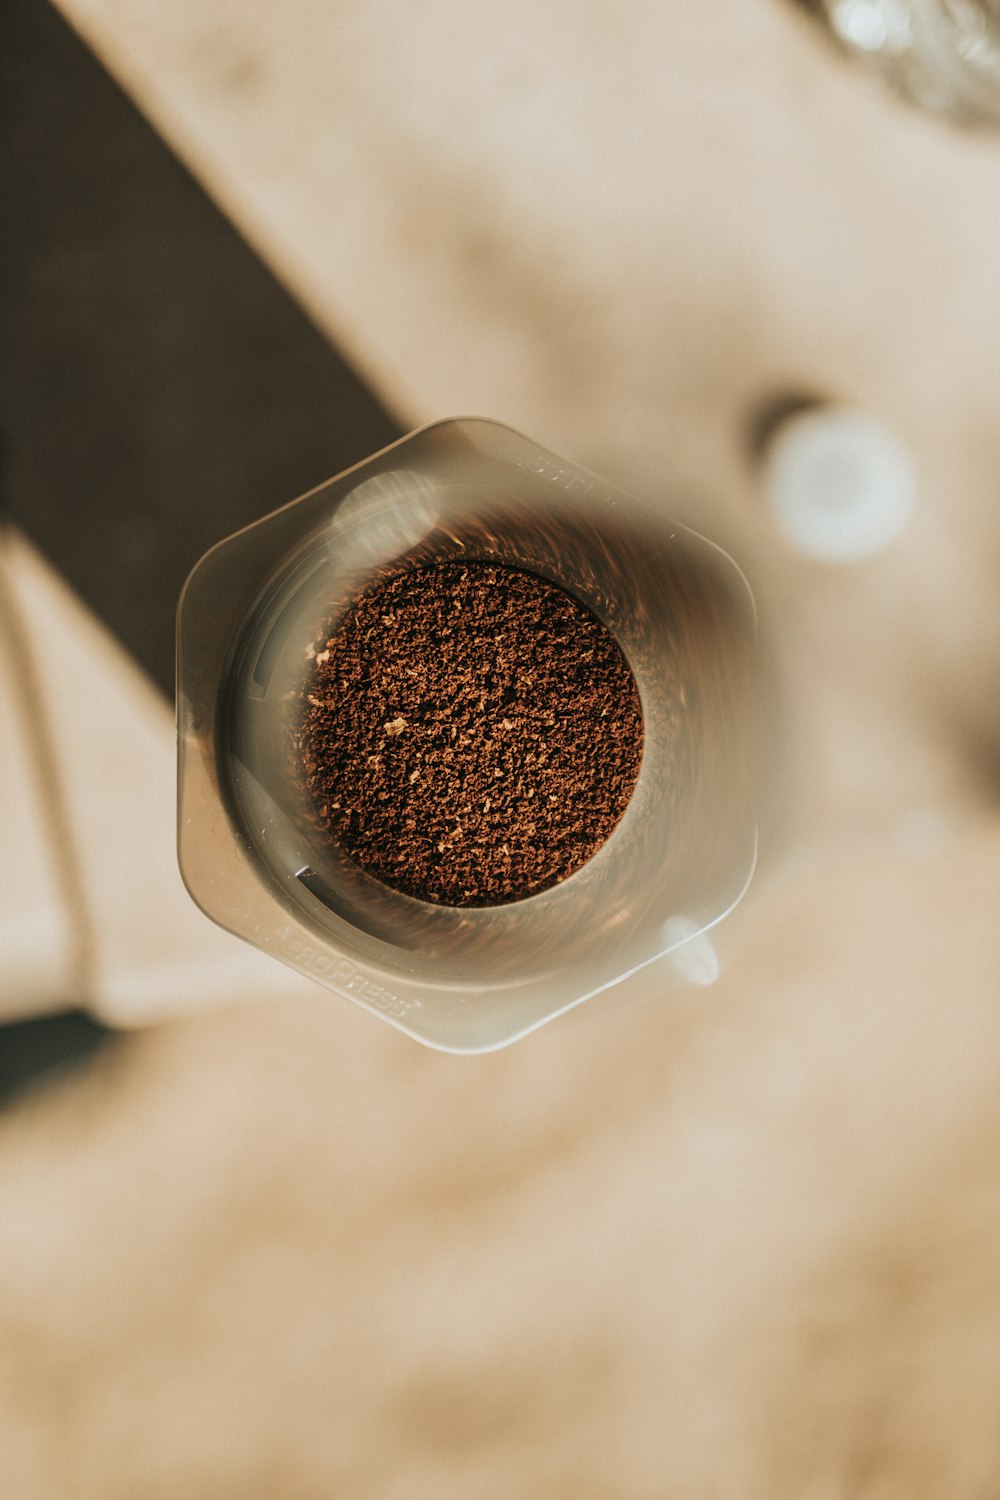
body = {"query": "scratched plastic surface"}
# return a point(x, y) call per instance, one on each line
point(471, 979)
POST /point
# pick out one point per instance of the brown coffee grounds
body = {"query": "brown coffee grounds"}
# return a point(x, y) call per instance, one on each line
point(471, 733)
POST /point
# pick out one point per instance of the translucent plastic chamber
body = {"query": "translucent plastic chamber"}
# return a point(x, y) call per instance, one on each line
point(251, 852)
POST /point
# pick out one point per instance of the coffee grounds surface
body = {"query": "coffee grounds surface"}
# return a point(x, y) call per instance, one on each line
point(471, 733)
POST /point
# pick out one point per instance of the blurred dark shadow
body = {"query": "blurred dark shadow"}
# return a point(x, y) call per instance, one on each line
point(813, 8)
point(42, 1049)
point(158, 387)
point(766, 416)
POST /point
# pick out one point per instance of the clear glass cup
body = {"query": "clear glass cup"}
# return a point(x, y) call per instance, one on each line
point(465, 979)
point(943, 55)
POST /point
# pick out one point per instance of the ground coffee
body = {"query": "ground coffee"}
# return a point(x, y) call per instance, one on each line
point(471, 733)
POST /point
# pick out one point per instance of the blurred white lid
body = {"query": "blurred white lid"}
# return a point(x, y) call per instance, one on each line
point(840, 486)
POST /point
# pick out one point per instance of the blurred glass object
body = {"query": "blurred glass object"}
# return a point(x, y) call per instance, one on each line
point(942, 55)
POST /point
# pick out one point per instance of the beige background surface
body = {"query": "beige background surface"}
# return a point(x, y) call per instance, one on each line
point(740, 1241)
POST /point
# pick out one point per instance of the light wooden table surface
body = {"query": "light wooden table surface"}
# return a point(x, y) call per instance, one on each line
point(740, 1241)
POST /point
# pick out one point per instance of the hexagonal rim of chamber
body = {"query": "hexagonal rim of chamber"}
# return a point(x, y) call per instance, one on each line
point(464, 980)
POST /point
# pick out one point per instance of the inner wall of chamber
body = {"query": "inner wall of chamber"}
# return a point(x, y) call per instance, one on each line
point(668, 612)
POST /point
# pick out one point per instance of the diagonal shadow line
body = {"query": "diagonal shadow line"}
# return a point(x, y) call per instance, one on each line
point(160, 388)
